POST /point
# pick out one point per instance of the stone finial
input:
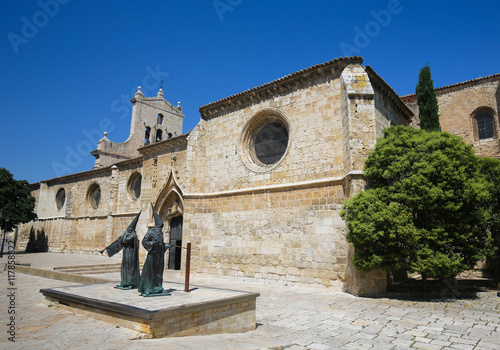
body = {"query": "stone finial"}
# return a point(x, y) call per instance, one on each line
point(105, 138)
point(160, 93)
point(179, 105)
point(139, 92)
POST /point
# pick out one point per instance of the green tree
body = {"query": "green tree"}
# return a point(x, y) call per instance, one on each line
point(491, 169)
point(428, 110)
point(423, 210)
point(16, 201)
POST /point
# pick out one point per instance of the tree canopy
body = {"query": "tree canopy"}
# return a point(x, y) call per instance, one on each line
point(490, 167)
point(16, 201)
point(428, 110)
point(424, 207)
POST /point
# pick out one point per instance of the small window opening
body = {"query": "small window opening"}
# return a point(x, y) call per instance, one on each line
point(135, 186)
point(60, 198)
point(158, 135)
point(160, 118)
point(94, 196)
point(169, 135)
point(147, 135)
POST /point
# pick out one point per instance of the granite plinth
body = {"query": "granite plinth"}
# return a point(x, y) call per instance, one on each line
point(201, 311)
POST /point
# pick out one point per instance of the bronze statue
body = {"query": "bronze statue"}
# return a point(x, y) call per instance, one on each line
point(130, 261)
point(151, 283)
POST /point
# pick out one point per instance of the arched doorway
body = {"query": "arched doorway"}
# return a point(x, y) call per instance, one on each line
point(174, 223)
point(175, 240)
point(170, 208)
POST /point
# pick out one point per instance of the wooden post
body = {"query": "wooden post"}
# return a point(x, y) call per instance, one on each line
point(188, 267)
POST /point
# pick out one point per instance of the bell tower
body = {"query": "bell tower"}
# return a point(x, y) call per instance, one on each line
point(154, 119)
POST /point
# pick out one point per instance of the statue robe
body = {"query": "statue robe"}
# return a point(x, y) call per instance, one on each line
point(130, 274)
point(152, 273)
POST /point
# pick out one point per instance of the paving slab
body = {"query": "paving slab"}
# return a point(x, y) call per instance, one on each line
point(279, 309)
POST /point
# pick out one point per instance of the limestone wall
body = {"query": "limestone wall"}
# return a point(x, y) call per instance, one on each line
point(76, 226)
point(457, 106)
point(314, 150)
point(386, 114)
point(289, 235)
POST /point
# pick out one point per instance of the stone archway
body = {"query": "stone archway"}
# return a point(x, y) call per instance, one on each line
point(170, 207)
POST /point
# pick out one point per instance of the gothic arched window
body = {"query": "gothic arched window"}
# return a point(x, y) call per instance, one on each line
point(484, 124)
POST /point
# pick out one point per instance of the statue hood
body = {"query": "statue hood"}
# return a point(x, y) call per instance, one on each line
point(158, 221)
point(133, 224)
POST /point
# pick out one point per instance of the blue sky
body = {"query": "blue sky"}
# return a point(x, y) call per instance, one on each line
point(69, 67)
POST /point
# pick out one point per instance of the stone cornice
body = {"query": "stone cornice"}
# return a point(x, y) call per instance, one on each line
point(454, 87)
point(81, 217)
point(129, 163)
point(279, 187)
point(164, 145)
point(266, 91)
point(90, 173)
point(112, 154)
point(35, 186)
point(386, 89)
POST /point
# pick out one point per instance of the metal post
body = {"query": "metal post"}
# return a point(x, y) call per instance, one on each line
point(15, 237)
point(188, 267)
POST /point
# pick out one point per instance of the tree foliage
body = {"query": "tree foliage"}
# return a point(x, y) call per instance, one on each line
point(16, 201)
point(490, 167)
point(423, 210)
point(428, 110)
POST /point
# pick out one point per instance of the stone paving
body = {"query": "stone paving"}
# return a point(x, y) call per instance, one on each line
point(287, 318)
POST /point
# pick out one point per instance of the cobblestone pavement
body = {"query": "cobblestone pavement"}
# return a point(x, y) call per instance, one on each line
point(287, 318)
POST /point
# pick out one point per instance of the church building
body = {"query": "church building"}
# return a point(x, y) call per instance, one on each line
point(257, 186)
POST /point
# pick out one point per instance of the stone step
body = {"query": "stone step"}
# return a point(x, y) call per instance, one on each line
point(95, 272)
point(80, 267)
point(90, 269)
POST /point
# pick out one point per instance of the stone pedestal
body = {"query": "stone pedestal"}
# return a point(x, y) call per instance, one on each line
point(201, 311)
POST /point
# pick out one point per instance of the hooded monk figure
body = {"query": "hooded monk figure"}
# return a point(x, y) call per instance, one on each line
point(130, 260)
point(151, 283)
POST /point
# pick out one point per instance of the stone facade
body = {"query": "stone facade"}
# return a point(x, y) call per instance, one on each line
point(459, 106)
point(256, 187)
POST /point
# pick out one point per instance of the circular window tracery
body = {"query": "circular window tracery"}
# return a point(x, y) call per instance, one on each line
point(264, 140)
point(94, 196)
point(60, 198)
point(270, 143)
point(134, 186)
